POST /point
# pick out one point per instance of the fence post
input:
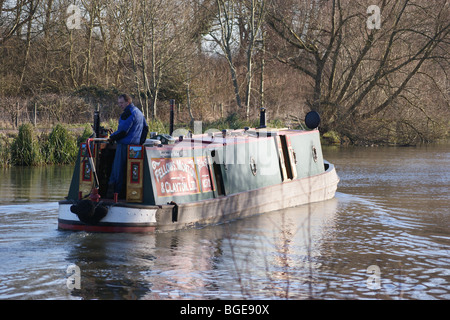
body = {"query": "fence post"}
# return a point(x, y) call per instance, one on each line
point(35, 115)
point(17, 115)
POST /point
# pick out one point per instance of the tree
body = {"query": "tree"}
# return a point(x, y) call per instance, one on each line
point(255, 16)
point(152, 35)
point(358, 73)
point(14, 15)
point(236, 30)
point(223, 33)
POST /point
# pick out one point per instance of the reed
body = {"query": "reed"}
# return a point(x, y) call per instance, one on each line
point(25, 150)
point(5, 151)
point(60, 147)
point(29, 148)
point(87, 132)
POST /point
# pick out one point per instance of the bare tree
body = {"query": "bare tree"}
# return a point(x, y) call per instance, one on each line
point(14, 15)
point(149, 32)
point(223, 34)
point(236, 29)
point(255, 18)
point(388, 83)
point(357, 73)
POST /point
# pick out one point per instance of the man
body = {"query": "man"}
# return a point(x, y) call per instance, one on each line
point(132, 129)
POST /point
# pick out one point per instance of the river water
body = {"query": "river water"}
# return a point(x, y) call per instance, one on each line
point(386, 235)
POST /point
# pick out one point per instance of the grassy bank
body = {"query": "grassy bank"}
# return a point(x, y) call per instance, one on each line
point(33, 147)
point(30, 146)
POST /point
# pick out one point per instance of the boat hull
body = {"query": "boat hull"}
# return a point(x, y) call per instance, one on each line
point(120, 218)
point(123, 217)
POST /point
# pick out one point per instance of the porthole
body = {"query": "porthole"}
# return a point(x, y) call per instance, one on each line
point(253, 165)
point(314, 154)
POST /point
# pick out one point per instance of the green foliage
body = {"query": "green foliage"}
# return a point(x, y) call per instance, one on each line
point(233, 121)
point(61, 147)
point(331, 137)
point(5, 151)
point(85, 135)
point(158, 126)
point(25, 149)
point(97, 93)
point(276, 123)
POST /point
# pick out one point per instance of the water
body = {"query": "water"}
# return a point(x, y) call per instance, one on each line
point(386, 235)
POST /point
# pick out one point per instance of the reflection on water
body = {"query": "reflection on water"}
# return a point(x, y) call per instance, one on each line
point(391, 211)
point(25, 184)
point(227, 261)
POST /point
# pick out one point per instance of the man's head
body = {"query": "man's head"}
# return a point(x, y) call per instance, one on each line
point(124, 100)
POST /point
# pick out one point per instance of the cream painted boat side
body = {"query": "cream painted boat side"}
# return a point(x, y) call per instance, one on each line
point(213, 211)
point(288, 194)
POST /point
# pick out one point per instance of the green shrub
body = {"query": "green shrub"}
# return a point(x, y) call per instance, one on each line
point(25, 148)
point(158, 126)
point(5, 151)
point(331, 137)
point(61, 147)
point(85, 135)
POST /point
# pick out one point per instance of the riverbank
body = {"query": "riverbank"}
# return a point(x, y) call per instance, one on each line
point(33, 146)
point(30, 146)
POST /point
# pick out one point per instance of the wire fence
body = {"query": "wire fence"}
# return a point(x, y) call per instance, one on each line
point(14, 115)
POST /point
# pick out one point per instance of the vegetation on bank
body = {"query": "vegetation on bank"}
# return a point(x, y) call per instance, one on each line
point(30, 146)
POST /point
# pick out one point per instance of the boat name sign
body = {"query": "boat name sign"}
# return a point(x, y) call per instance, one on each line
point(178, 176)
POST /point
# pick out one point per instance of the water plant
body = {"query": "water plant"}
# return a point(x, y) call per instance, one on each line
point(60, 147)
point(87, 132)
point(25, 149)
point(5, 153)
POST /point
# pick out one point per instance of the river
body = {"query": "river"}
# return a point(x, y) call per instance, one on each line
point(386, 235)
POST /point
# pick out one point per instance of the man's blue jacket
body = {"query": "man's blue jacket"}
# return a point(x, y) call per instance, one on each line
point(132, 128)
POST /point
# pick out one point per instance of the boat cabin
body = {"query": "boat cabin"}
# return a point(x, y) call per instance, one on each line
point(190, 169)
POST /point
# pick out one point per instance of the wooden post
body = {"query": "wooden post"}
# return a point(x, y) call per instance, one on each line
point(35, 115)
point(17, 115)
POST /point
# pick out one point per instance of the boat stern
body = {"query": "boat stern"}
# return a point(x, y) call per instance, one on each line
point(116, 217)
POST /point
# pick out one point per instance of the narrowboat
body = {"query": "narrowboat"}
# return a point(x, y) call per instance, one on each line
point(182, 181)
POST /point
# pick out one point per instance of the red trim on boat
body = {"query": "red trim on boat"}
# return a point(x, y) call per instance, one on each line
point(110, 229)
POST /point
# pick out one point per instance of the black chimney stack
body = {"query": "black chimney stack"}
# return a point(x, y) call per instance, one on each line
point(262, 118)
point(172, 104)
point(97, 123)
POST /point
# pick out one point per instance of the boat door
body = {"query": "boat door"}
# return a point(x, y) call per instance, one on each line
point(287, 158)
point(218, 175)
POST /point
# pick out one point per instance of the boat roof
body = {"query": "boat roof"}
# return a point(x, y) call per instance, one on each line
point(228, 137)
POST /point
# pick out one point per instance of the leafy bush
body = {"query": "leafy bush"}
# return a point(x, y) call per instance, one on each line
point(25, 147)
point(5, 151)
point(85, 135)
point(61, 147)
